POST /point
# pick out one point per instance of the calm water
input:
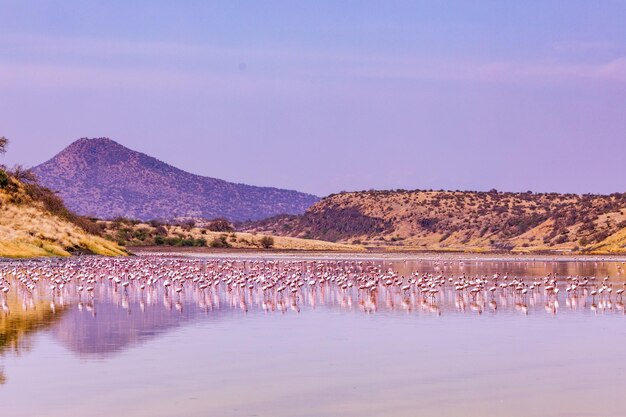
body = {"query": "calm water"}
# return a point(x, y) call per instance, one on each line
point(320, 350)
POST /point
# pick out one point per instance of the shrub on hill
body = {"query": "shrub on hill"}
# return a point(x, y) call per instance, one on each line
point(220, 242)
point(267, 242)
point(53, 204)
point(179, 241)
point(220, 225)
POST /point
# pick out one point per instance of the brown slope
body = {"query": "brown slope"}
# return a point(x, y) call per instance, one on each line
point(34, 223)
point(444, 220)
point(101, 178)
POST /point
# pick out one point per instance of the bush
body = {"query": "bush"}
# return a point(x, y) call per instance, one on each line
point(141, 233)
point(267, 242)
point(23, 175)
point(4, 179)
point(88, 225)
point(220, 242)
point(123, 220)
point(220, 225)
point(173, 241)
point(561, 239)
point(188, 225)
point(50, 200)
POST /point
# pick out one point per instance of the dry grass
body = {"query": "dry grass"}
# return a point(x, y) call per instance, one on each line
point(616, 243)
point(27, 230)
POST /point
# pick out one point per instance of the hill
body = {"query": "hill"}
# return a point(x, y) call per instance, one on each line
point(461, 221)
point(101, 178)
point(35, 222)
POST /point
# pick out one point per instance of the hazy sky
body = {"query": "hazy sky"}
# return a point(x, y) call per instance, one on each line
point(327, 96)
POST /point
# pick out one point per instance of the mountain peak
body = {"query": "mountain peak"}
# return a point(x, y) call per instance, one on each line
point(93, 142)
point(102, 178)
point(96, 140)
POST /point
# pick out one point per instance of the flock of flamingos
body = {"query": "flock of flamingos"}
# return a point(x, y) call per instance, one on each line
point(288, 285)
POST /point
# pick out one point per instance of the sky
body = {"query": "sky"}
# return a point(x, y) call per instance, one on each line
point(323, 96)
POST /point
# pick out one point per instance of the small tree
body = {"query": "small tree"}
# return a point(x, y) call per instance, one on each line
point(3, 144)
point(24, 174)
point(267, 242)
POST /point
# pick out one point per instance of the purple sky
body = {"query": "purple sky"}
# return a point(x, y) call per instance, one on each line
point(328, 96)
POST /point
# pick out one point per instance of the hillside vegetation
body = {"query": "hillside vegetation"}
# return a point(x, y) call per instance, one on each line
point(461, 221)
point(217, 234)
point(34, 222)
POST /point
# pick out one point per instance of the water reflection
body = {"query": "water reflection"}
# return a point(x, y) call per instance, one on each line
point(156, 292)
point(99, 329)
point(21, 316)
point(114, 303)
point(293, 337)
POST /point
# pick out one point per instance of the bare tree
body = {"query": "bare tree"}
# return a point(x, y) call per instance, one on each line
point(3, 144)
point(24, 174)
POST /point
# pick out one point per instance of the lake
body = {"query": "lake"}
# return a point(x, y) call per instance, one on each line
point(312, 335)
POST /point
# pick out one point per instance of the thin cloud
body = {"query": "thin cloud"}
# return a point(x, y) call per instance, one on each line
point(43, 62)
point(499, 71)
point(582, 46)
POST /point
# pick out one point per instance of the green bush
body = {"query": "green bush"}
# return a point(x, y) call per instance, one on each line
point(4, 179)
point(220, 242)
point(141, 233)
point(173, 241)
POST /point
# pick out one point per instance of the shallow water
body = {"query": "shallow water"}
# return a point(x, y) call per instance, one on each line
point(319, 351)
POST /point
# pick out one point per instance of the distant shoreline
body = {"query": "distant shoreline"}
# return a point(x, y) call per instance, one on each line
point(381, 254)
point(370, 255)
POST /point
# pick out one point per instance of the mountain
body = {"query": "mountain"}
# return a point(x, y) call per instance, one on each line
point(461, 221)
point(101, 178)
